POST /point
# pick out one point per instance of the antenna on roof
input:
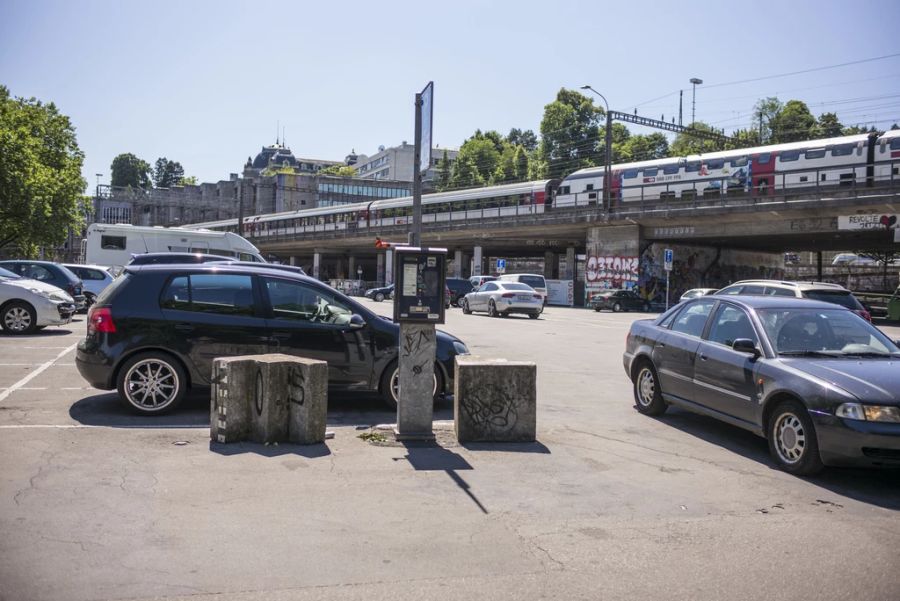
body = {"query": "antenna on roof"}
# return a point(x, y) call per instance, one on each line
point(283, 138)
point(277, 129)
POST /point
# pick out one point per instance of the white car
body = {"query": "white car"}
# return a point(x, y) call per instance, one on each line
point(95, 279)
point(27, 305)
point(500, 298)
point(696, 292)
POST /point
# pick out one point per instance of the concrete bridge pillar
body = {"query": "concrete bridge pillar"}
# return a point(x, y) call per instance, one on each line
point(476, 261)
point(570, 264)
point(379, 269)
point(551, 265)
point(613, 255)
point(388, 267)
point(317, 264)
point(351, 270)
point(292, 261)
point(458, 264)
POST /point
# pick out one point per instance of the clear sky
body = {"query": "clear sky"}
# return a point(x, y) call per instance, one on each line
point(205, 82)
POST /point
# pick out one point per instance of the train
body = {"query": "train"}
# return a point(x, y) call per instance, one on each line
point(758, 173)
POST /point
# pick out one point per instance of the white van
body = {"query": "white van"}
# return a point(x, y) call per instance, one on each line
point(114, 244)
point(535, 281)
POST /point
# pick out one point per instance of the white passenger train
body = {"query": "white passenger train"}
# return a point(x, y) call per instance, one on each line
point(758, 173)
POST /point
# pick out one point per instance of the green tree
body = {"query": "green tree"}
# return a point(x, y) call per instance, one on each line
point(478, 160)
point(341, 170)
point(764, 113)
point(828, 126)
point(189, 180)
point(444, 173)
point(793, 123)
point(527, 139)
point(128, 170)
point(521, 163)
point(743, 138)
point(570, 136)
point(685, 144)
point(40, 174)
point(641, 148)
point(167, 173)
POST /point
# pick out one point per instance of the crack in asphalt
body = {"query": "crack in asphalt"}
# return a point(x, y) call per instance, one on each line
point(47, 457)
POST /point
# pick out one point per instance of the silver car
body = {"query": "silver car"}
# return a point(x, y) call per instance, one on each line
point(94, 277)
point(27, 305)
point(501, 298)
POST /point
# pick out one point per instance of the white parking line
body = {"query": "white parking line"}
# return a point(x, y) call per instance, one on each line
point(35, 373)
point(85, 426)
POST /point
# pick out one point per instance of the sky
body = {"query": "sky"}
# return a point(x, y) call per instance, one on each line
point(206, 82)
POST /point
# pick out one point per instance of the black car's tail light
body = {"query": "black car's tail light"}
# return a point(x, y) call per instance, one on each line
point(100, 320)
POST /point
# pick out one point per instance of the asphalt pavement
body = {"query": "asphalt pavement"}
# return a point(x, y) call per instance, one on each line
point(97, 503)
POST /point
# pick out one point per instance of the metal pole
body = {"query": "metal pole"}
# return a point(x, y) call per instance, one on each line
point(680, 98)
point(607, 167)
point(694, 105)
point(667, 290)
point(417, 181)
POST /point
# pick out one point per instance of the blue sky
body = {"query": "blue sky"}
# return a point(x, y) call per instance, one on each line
point(205, 82)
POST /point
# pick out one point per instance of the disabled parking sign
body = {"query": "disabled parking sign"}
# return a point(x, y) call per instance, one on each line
point(501, 265)
point(667, 260)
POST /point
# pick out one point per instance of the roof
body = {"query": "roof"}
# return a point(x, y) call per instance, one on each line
point(771, 302)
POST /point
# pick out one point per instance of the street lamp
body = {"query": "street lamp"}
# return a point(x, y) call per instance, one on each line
point(607, 165)
point(695, 81)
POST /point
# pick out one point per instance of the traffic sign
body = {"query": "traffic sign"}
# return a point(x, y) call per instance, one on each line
point(501, 265)
point(668, 256)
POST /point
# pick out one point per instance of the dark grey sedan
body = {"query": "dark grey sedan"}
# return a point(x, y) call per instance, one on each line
point(820, 383)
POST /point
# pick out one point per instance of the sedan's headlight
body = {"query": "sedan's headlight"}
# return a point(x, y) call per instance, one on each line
point(460, 348)
point(870, 413)
point(60, 297)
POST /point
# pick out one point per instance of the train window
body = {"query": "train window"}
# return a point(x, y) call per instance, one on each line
point(671, 169)
point(895, 144)
point(630, 174)
point(841, 150)
point(789, 155)
point(815, 153)
point(651, 172)
point(715, 163)
point(763, 158)
point(565, 189)
point(739, 162)
point(589, 187)
point(692, 166)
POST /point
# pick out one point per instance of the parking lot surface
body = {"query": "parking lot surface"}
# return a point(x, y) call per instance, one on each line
point(97, 503)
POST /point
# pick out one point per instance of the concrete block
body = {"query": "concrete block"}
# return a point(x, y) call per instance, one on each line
point(229, 412)
point(269, 399)
point(495, 400)
point(308, 400)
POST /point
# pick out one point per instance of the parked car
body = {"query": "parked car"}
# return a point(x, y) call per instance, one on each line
point(94, 279)
point(619, 300)
point(478, 281)
point(156, 330)
point(696, 293)
point(51, 273)
point(379, 294)
point(176, 258)
point(821, 291)
point(27, 305)
point(276, 266)
point(459, 287)
point(501, 298)
point(816, 380)
point(529, 279)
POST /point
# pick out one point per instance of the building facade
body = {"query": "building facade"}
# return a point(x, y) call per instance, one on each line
point(396, 163)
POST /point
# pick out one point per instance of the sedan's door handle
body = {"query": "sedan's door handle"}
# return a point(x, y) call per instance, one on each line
point(702, 357)
point(184, 327)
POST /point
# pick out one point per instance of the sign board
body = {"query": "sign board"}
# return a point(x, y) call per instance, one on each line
point(667, 260)
point(427, 108)
point(561, 292)
point(875, 221)
point(419, 281)
point(501, 265)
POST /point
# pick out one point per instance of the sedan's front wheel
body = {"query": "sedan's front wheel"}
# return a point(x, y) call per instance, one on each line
point(647, 394)
point(792, 440)
point(19, 318)
point(379, 297)
point(492, 309)
point(152, 383)
point(465, 307)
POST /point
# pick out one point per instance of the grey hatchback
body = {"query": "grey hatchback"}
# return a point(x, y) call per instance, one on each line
point(820, 383)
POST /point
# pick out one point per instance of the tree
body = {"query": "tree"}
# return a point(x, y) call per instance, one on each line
point(527, 139)
point(764, 113)
point(444, 172)
point(521, 163)
point(189, 180)
point(828, 126)
point(570, 136)
point(793, 123)
point(743, 138)
point(685, 144)
point(477, 161)
point(641, 148)
point(128, 170)
point(40, 174)
point(885, 257)
point(340, 170)
point(166, 173)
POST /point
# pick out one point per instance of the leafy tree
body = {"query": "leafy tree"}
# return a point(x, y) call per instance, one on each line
point(570, 136)
point(341, 170)
point(685, 144)
point(743, 138)
point(167, 173)
point(884, 257)
point(527, 139)
point(444, 173)
point(40, 174)
point(465, 172)
point(189, 180)
point(764, 113)
point(128, 170)
point(477, 161)
point(521, 163)
point(537, 166)
point(641, 148)
point(793, 123)
point(828, 126)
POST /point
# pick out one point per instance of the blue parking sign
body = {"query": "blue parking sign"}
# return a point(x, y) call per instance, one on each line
point(667, 259)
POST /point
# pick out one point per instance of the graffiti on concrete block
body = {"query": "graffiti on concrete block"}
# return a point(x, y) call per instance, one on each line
point(490, 409)
point(296, 386)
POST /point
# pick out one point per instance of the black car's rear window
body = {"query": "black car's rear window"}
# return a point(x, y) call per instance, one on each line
point(110, 290)
point(533, 281)
point(837, 297)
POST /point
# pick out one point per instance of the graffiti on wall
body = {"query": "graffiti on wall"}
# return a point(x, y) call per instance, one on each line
point(611, 271)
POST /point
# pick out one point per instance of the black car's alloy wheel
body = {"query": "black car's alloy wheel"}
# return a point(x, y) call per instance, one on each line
point(647, 395)
point(390, 385)
point(617, 307)
point(152, 383)
point(19, 318)
point(792, 440)
point(379, 297)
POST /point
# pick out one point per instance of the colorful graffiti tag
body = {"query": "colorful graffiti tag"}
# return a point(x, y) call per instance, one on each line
point(611, 272)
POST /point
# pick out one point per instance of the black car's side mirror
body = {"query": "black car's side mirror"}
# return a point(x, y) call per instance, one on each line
point(356, 322)
point(745, 345)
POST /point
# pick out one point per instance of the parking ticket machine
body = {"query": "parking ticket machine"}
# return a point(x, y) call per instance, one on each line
point(419, 284)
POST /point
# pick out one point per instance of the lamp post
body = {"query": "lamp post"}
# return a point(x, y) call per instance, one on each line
point(607, 163)
point(695, 81)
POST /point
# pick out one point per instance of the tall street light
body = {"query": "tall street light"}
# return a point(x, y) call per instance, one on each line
point(608, 162)
point(696, 81)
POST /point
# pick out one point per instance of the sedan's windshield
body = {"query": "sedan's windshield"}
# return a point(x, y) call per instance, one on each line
point(824, 332)
point(8, 275)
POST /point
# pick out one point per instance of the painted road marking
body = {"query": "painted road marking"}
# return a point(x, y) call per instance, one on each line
point(32, 375)
point(85, 426)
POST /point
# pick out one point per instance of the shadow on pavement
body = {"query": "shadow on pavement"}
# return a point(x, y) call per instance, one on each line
point(430, 456)
point(313, 451)
point(50, 332)
point(507, 447)
point(106, 410)
point(872, 486)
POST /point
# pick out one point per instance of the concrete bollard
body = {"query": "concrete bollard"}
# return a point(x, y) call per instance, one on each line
point(494, 400)
point(269, 398)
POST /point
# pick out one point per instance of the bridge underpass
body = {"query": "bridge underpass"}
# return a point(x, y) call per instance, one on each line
point(717, 240)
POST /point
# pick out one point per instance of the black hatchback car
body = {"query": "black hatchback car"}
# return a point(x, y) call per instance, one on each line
point(155, 331)
point(52, 273)
point(820, 383)
point(171, 258)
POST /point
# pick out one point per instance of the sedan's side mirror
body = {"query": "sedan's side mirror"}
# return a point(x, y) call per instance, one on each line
point(357, 322)
point(745, 345)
